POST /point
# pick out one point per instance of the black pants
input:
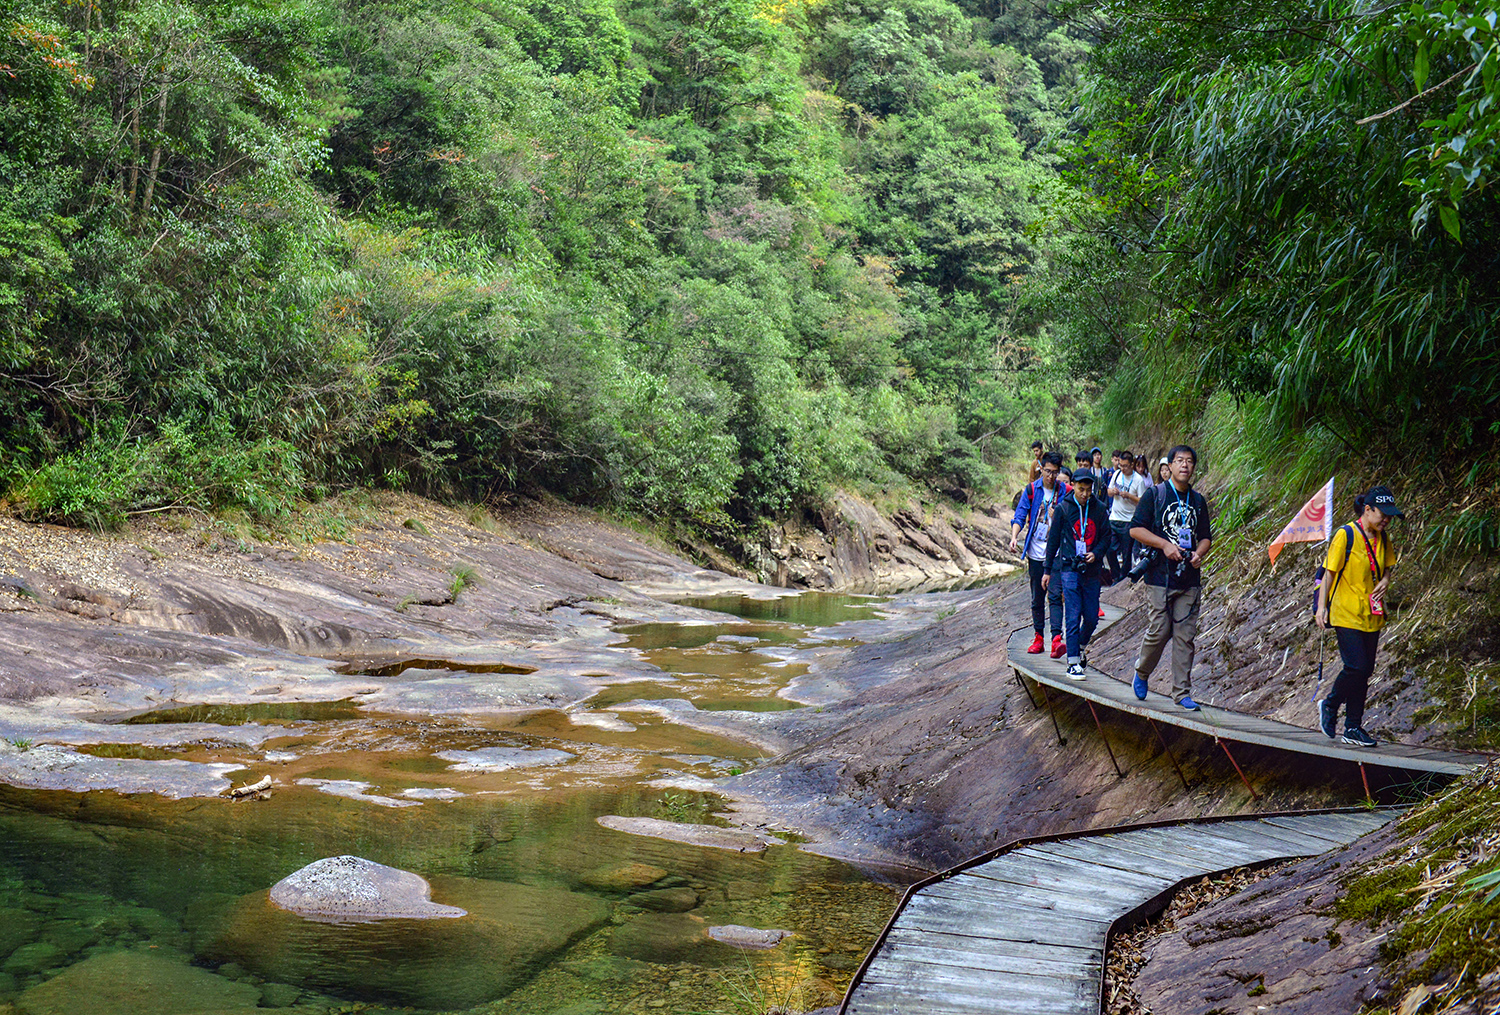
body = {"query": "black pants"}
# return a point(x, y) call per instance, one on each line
point(1121, 550)
point(1053, 598)
point(1358, 651)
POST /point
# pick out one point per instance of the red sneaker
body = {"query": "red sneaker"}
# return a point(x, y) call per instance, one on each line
point(1036, 645)
point(1058, 648)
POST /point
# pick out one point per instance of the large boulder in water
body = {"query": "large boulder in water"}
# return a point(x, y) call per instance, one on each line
point(139, 983)
point(508, 931)
point(351, 889)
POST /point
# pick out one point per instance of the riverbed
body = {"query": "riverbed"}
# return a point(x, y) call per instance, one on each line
point(499, 809)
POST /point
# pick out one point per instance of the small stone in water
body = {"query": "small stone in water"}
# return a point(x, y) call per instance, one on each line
point(747, 937)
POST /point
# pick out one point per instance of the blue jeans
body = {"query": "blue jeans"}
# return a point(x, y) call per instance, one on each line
point(1081, 609)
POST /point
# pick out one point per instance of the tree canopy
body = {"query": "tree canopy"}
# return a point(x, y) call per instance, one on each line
point(702, 259)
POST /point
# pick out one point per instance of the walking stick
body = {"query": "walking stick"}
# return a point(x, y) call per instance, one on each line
point(1319, 685)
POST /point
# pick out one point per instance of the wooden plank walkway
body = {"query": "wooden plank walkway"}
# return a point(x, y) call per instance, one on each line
point(1023, 930)
point(1220, 723)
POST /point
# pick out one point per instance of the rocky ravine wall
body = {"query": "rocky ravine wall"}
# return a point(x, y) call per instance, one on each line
point(849, 545)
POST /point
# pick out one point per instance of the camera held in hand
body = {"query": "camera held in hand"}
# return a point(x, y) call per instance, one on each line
point(1147, 561)
point(1078, 564)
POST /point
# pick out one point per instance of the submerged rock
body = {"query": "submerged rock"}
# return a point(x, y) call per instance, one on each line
point(747, 937)
point(508, 933)
point(666, 900)
point(623, 877)
point(660, 937)
point(352, 889)
point(138, 983)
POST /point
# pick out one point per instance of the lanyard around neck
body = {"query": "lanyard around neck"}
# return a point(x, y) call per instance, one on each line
point(1370, 552)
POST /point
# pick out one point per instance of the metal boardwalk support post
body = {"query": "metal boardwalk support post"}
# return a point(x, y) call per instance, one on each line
point(1056, 728)
point(1253, 795)
point(1022, 681)
point(1105, 738)
point(1168, 750)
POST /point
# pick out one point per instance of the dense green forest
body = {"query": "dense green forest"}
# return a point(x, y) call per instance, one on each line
point(706, 259)
point(1279, 235)
point(701, 259)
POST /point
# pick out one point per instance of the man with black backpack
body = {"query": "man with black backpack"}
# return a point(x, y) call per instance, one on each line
point(1351, 599)
point(1171, 525)
point(1076, 546)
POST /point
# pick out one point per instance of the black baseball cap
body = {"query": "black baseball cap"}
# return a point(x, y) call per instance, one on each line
point(1382, 498)
point(1083, 476)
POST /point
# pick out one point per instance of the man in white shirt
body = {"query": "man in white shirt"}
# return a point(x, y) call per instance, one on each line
point(1126, 486)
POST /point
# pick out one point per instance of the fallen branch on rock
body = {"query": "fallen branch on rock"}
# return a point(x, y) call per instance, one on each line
point(252, 791)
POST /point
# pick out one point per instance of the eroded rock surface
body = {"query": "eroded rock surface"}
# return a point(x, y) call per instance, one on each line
point(1277, 946)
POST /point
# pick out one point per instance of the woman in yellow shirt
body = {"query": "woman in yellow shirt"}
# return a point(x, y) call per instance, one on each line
point(1352, 601)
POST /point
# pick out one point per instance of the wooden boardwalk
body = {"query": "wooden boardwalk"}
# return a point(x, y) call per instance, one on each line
point(1023, 930)
point(1220, 723)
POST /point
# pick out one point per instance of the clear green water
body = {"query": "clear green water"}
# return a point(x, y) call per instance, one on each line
point(809, 609)
point(582, 919)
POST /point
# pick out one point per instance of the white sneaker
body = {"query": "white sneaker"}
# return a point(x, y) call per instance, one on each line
point(1075, 671)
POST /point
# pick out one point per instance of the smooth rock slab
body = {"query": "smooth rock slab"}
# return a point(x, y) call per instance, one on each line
point(351, 889)
point(509, 933)
point(138, 983)
point(694, 835)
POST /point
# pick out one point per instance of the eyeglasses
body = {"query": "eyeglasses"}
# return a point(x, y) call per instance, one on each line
point(1050, 472)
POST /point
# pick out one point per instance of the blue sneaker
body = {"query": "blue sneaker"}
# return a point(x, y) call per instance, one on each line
point(1140, 687)
point(1328, 719)
point(1188, 703)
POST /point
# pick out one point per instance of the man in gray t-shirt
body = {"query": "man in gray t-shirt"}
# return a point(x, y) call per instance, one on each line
point(1126, 487)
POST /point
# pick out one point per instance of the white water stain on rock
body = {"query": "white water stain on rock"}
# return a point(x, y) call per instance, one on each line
point(351, 889)
point(432, 793)
point(685, 781)
point(503, 759)
point(601, 720)
point(355, 790)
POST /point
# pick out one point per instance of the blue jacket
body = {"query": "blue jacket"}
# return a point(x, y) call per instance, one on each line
point(1030, 505)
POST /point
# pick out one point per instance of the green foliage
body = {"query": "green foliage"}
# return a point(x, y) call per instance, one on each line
point(701, 260)
point(464, 576)
point(1239, 224)
point(113, 474)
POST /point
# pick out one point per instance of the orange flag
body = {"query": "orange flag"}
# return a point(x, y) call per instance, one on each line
point(1313, 523)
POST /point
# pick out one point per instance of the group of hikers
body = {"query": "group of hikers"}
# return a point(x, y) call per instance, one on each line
point(1085, 528)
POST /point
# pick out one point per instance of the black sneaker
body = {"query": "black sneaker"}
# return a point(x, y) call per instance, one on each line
point(1328, 718)
point(1358, 737)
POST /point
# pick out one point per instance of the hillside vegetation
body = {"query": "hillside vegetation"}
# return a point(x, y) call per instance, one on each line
point(700, 259)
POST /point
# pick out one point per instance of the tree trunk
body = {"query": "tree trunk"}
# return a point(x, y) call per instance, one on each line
point(161, 126)
point(132, 174)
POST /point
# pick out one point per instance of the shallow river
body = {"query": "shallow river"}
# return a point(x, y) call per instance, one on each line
point(113, 903)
